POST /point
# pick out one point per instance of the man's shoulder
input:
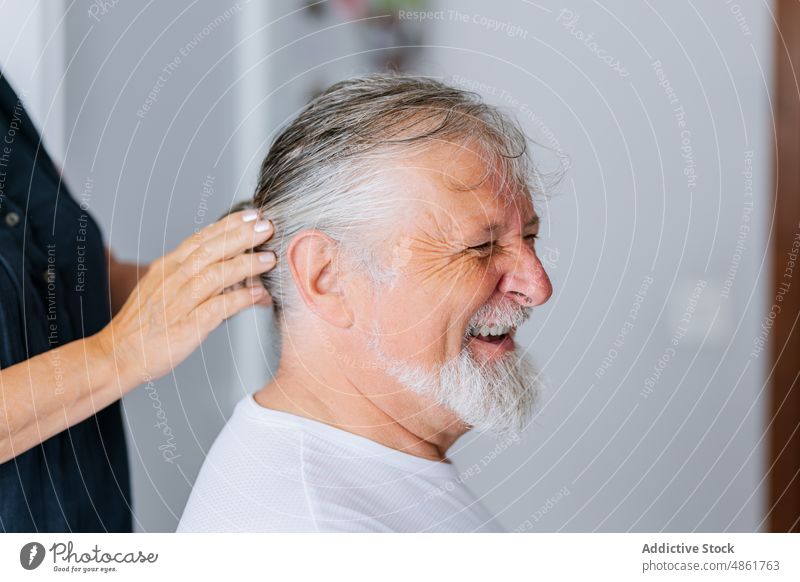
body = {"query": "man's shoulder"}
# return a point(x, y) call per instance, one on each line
point(251, 479)
point(270, 471)
point(254, 447)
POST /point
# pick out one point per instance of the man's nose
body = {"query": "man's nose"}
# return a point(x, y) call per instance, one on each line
point(525, 280)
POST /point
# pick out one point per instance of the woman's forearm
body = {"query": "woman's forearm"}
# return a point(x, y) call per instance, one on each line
point(48, 393)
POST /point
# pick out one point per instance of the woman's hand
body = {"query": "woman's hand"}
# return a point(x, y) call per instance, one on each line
point(186, 294)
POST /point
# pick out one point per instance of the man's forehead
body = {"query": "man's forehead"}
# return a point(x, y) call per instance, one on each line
point(458, 167)
point(457, 226)
point(527, 221)
point(451, 190)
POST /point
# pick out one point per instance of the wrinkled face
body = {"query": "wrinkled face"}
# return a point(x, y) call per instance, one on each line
point(463, 276)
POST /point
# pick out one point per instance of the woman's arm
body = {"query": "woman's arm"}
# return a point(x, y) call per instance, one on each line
point(50, 392)
point(183, 296)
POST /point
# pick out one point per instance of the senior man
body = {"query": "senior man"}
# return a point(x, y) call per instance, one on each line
point(406, 262)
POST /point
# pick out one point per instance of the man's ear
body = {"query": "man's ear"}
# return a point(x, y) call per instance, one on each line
point(313, 259)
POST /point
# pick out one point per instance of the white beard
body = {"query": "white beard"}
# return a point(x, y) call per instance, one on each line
point(496, 397)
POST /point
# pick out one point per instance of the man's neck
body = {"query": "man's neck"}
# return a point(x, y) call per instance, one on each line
point(345, 397)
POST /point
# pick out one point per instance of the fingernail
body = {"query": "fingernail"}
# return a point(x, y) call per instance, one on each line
point(262, 226)
point(250, 215)
point(267, 258)
point(257, 291)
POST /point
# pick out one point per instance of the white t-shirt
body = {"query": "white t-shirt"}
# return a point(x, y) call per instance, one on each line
point(271, 471)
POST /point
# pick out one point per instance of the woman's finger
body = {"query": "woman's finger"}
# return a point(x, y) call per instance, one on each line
point(228, 244)
point(266, 301)
point(230, 223)
point(220, 307)
point(215, 278)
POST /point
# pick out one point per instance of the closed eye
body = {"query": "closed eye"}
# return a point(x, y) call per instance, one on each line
point(488, 245)
point(482, 248)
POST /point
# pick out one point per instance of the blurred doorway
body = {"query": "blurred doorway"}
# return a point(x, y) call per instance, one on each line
point(784, 316)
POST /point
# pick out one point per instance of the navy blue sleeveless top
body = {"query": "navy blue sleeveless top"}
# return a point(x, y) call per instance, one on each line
point(53, 290)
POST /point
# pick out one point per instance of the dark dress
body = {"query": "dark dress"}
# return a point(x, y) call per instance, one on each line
point(53, 290)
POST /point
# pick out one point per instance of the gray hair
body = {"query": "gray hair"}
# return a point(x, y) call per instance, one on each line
point(324, 169)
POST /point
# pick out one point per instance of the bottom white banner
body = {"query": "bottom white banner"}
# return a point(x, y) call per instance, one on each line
point(407, 557)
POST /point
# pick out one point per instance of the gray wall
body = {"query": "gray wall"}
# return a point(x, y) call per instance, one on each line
point(605, 452)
